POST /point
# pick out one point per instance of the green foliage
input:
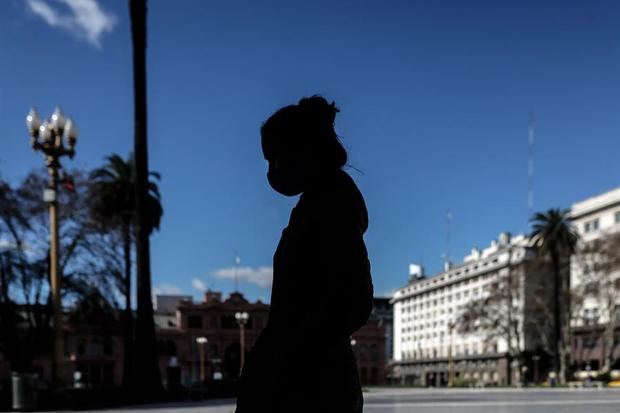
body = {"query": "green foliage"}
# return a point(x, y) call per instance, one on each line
point(112, 194)
point(461, 382)
point(553, 233)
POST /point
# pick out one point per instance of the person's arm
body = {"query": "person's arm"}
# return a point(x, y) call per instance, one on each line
point(343, 284)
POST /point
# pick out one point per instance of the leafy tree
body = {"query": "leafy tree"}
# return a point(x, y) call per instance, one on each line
point(554, 236)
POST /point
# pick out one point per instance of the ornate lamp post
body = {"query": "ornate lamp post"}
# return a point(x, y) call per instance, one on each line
point(201, 343)
point(47, 137)
point(242, 319)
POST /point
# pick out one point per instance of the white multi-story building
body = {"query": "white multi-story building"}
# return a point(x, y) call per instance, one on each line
point(427, 341)
point(595, 219)
point(429, 348)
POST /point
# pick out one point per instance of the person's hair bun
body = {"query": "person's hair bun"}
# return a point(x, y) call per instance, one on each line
point(306, 129)
point(318, 109)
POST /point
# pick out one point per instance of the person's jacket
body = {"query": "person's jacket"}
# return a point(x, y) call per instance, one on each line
point(322, 292)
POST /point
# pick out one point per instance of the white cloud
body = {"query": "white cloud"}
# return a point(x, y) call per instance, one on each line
point(261, 276)
point(199, 285)
point(388, 293)
point(84, 19)
point(166, 289)
point(6, 244)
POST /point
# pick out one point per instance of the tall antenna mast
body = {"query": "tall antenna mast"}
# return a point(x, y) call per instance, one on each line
point(237, 261)
point(530, 166)
point(447, 255)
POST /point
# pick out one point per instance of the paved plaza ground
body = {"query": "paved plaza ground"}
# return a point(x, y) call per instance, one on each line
point(394, 400)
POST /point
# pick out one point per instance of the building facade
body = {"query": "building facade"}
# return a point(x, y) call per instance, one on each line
point(430, 349)
point(213, 319)
point(595, 281)
point(370, 344)
point(94, 346)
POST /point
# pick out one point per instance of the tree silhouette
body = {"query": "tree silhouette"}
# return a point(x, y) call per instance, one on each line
point(553, 235)
point(112, 198)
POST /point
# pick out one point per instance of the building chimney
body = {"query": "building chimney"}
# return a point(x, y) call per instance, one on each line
point(213, 296)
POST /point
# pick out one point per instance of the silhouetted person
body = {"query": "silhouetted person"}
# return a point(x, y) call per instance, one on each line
point(322, 289)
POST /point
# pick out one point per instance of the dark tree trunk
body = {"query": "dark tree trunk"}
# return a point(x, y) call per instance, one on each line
point(147, 368)
point(128, 336)
point(8, 320)
point(557, 314)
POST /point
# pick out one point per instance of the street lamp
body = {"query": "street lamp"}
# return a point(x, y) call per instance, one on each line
point(242, 319)
point(536, 359)
point(47, 137)
point(201, 343)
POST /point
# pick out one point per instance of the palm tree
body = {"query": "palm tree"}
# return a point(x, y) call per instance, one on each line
point(146, 360)
point(554, 236)
point(112, 198)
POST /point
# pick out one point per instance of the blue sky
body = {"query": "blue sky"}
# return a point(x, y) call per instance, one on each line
point(435, 97)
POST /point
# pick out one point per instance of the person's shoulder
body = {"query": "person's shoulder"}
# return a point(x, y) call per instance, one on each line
point(346, 201)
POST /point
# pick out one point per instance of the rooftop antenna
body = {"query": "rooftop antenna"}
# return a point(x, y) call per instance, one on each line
point(447, 254)
point(237, 261)
point(530, 166)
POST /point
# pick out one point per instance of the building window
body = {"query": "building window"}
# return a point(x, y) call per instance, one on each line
point(194, 321)
point(617, 217)
point(591, 226)
point(81, 347)
point(591, 288)
point(95, 347)
point(108, 346)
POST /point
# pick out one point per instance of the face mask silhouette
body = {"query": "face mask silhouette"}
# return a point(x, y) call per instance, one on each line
point(287, 183)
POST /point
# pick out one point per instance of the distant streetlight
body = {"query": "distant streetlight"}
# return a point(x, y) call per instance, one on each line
point(535, 359)
point(242, 319)
point(201, 344)
point(47, 137)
